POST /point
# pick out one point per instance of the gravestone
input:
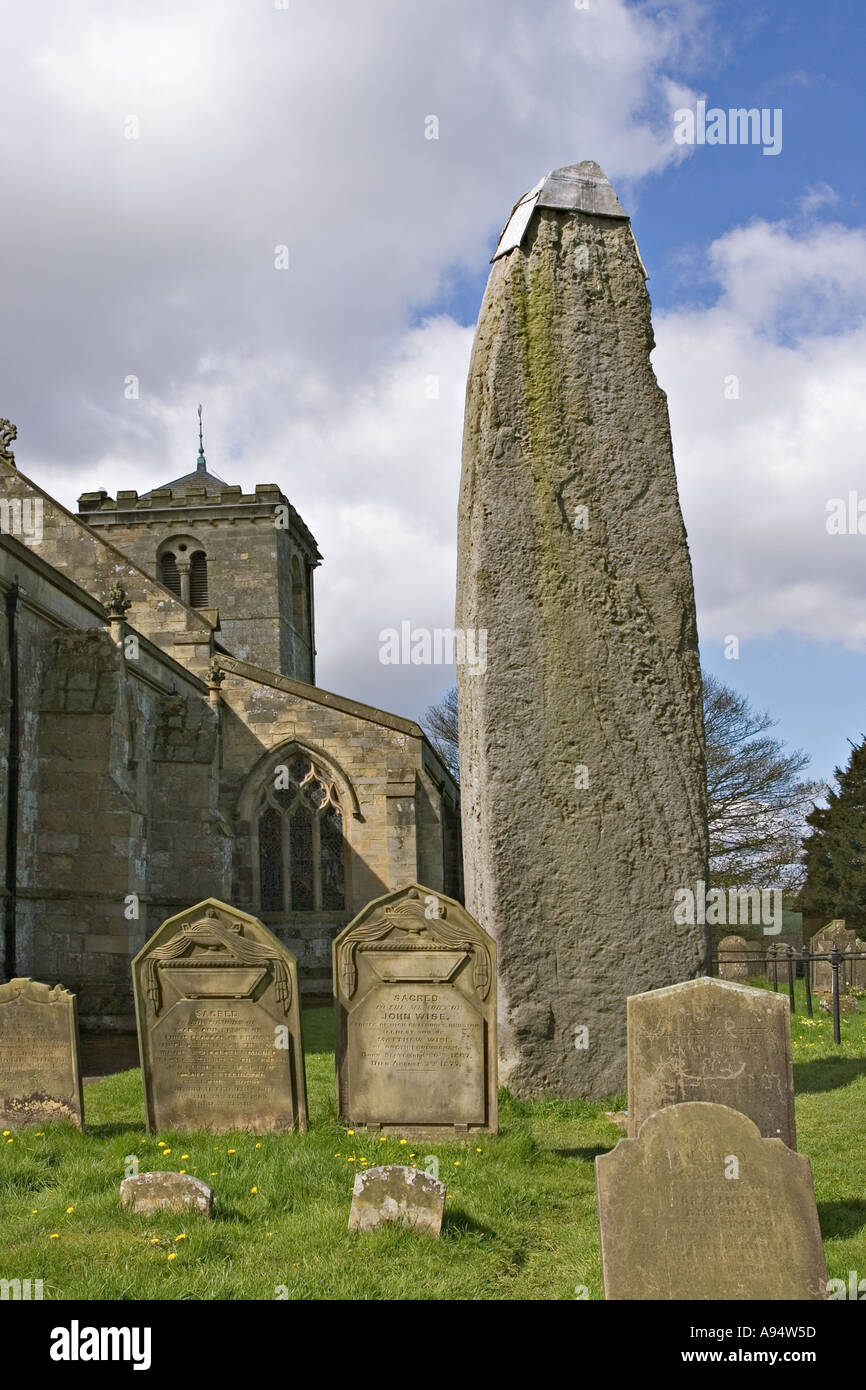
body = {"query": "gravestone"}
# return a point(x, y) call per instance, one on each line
point(148, 1192)
point(701, 1206)
point(835, 936)
point(40, 1072)
point(858, 967)
point(397, 1194)
point(734, 957)
point(712, 1040)
point(415, 1016)
point(219, 1024)
point(583, 782)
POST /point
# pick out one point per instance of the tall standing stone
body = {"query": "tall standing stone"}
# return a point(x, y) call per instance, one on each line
point(581, 734)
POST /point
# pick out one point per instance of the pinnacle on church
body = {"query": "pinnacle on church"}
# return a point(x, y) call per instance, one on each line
point(201, 465)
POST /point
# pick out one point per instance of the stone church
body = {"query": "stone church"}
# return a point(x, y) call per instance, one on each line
point(163, 739)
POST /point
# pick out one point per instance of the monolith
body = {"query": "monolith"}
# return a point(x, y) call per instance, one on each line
point(581, 734)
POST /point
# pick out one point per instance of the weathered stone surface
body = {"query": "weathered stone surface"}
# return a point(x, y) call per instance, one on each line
point(166, 1191)
point(712, 1040)
point(734, 959)
point(394, 1193)
point(582, 742)
point(834, 937)
point(40, 1073)
point(415, 1017)
point(700, 1206)
point(219, 1024)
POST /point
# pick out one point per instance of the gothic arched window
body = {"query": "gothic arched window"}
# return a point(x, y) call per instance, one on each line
point(300, 838)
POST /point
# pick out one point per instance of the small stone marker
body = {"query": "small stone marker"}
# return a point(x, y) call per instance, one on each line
point(40, 1072)
point(166, 1191)
point(415, 1012)
point(733, 953)
point(700, 1206)
point(219, 1024)
point(712, 1040)
point(393, 1193)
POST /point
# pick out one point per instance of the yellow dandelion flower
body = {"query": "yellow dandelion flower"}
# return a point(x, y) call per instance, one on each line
point(184, 1156)
point(258, 1146)
point(338, 1155)
point(69, 1211)
point(180, 1237)
point(155, 1240)
point(10, 1141)
point(348, 1131)
point(350, 1160)
point(54, 1236)
point(457, 1163)
point(173, 1255)
point(213, 1175)
point(231, 1151)
point(404, 1141)
point(253, 1190)
point(183, 1170)
point(269, 1233)
point(5, 1132)
point(478, 1151)
point(35, 1211)
point(166, 1152)
point(383, 1139)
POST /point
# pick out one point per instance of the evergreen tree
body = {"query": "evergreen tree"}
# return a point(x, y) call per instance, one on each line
point(834, 854)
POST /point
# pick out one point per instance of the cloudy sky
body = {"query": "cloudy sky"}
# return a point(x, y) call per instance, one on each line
point(154, 157)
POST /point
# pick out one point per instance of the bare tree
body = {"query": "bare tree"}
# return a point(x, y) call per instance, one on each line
point(440, 725)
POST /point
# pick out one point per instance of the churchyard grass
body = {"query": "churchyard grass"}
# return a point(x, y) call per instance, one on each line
point(520, 1216)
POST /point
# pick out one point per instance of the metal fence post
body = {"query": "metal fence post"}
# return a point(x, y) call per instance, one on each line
point(807, 978)
point(835, 962)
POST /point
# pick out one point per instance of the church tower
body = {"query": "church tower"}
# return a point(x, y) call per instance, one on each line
point(244, 560)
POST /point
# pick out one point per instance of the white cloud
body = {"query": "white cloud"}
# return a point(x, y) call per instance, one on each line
point(302, 126)
point(756, 472)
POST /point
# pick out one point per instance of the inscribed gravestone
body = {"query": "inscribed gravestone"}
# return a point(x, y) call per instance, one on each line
point(40, 1074)
point(835, 936)
point(415, 1014)
point(395, 1193)
point(700, 1206)
point(219, 1024)
point(733, 953)
point(712, 1040)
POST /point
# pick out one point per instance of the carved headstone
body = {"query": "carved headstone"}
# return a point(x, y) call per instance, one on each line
point(394, 1193)
point(415, 1014)
point(734, 958)
point(700, 1206)
point(219, 1024)
point(712, 1040)
point(583, 787)
point(835, 936)
point(40, 1072)
point(166, 1192)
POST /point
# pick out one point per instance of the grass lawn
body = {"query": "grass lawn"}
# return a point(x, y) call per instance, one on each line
point(521, 1215)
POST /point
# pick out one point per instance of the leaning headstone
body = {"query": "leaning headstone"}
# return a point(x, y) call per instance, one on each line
point(835, 936)
point(148, 1192)
point(734, 957)
point(219, 1024)
point(583, 787)
point(712, 1040)
point(701, 1206)
point(394, 1193)
point(415, 1016)
point(40, 1072)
